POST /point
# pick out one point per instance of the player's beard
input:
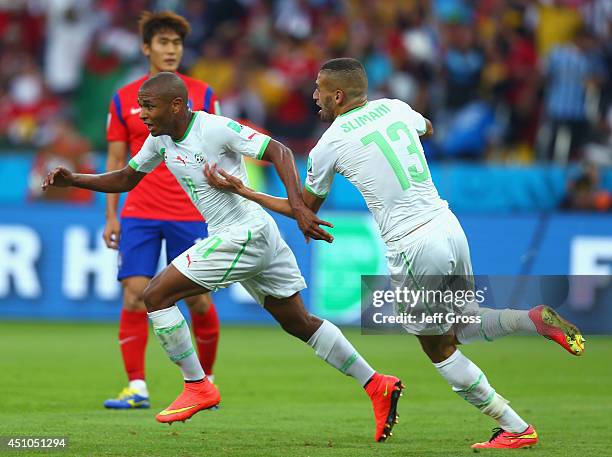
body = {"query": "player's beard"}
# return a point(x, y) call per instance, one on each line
point(327, 110)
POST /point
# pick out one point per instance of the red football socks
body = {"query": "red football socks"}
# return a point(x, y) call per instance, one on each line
point(133, 333)
point(206, 331)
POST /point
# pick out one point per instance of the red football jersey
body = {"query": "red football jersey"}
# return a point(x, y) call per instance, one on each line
point(158, 195)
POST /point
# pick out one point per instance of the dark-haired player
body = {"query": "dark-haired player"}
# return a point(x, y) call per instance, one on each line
point(157, 210)
point(245, 245)
point(375, 145)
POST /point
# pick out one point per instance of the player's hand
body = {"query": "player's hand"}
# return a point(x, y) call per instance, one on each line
point(309, 223)
point(58, 177)
point(219, 178)
point(112, 232)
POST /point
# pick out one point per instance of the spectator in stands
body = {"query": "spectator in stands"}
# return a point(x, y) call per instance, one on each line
point(585, 194)
point(557, 22)
point(65, 148)
point(475, 67)
point(599, 151)
point(70, 27)
point(28, 106)
point(570, 69)
point(463, 65)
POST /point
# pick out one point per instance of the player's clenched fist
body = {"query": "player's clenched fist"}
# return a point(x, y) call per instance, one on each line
point(112, 232)
point(58, 177)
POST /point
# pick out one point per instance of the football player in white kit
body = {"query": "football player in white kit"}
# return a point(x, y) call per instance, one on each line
point(375, 145)
point(244, 244)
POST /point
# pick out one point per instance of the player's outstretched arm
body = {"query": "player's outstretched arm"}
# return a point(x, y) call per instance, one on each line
point(122, 180)
point(308, 222)
point(220, 179)
point(115, 160)
point(282, 158)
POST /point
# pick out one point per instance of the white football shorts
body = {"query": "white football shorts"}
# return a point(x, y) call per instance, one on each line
point(255, 255)
point(434, 257)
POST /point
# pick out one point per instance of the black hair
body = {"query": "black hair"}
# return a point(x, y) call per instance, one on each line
point(151, 24)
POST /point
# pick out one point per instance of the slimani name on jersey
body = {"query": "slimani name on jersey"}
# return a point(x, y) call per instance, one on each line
point(376, 147)
point(364, 118)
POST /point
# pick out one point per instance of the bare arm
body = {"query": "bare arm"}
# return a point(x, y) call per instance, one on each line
point(430, 129)
point(282, 158)
point(222, 180)
point(117, 181)
point(115, 160)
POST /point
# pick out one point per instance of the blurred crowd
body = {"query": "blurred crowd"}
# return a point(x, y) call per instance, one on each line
point(502, 80)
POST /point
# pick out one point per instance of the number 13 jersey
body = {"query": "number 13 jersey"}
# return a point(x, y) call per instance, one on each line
point(377, 148)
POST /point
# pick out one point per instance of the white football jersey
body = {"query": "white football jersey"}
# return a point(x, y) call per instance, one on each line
point(377, 148)
point(214, 140)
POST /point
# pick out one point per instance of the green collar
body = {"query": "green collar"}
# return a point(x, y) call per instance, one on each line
point(188, 127)
point(354, 109)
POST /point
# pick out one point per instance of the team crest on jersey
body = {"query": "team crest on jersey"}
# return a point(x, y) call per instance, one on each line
point(235, 126)
point(199, 158)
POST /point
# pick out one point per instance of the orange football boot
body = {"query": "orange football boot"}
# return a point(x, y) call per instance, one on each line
point(195, 397)
point(502, 439)
point(552, 326)
point(384, 391)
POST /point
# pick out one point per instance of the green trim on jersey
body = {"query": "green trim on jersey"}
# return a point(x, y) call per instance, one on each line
point(132, 163)
point(354, 109)
point(191, 122)
point(263, 147)
point(309, 189)
point(237, 258)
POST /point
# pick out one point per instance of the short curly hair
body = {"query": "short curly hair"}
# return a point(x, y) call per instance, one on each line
point(152, 23)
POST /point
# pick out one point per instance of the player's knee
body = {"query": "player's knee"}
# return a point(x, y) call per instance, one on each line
point(153, 297)
point(133, 298)
point(133, 288)
point(200, 304)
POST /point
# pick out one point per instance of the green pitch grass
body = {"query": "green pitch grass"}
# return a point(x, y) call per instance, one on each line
point(281, 400)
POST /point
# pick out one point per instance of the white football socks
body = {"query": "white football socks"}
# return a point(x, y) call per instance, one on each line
point(469, 382)
point(496, 323)
point(140, 386)
point(172, 332)
point(332, 346)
